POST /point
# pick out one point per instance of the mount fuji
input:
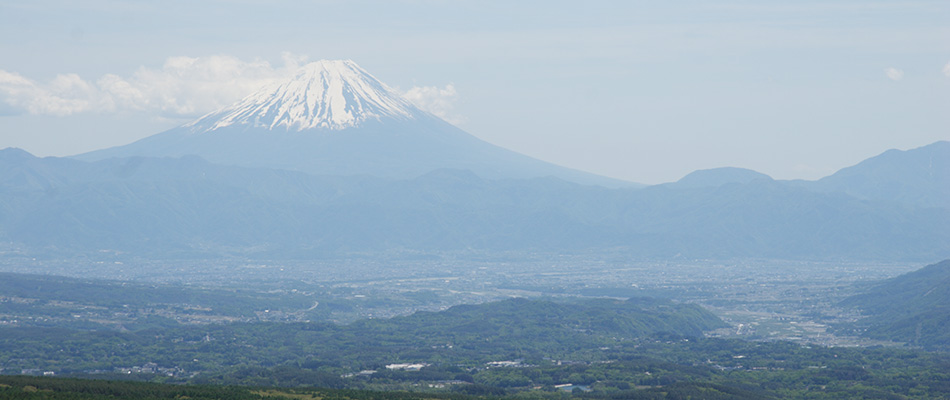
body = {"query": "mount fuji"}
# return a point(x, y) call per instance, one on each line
point(334, 118)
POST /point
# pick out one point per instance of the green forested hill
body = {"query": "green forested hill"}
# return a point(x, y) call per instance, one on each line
point(532, 320)
point(597, 349)
point(703, 369)
point(40, 388)
point(476, 334)
point(912, 308)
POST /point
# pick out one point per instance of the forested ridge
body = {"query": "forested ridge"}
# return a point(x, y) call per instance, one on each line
point(913, 308)
point(639, 348)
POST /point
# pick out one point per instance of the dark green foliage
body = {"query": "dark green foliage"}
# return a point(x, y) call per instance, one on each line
point(480, 390)
point(28, 387)
point(42, 388)
point(687, 391)
point(277, 376)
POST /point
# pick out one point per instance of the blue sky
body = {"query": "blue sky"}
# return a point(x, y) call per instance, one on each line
point(640, 90)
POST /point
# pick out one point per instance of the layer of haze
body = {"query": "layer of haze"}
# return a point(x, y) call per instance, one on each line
point(639, 90)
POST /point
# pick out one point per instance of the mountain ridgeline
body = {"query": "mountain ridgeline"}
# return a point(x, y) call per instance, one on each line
point(188, 207)
point(333, 161)
point(920, 177)
point(912, 308)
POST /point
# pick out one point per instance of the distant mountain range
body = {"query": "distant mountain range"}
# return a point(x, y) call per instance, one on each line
point(332, 161)
point(716, 177)
point(913, 308)
point(188, 207)
point(917, 177)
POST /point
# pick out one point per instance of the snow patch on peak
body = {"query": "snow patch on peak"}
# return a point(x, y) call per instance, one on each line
point(326, 94)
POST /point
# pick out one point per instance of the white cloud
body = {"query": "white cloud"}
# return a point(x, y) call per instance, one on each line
point(438, 101)
point(182, 87)
point(66, 94)
point(894, 74)
point(946, 69)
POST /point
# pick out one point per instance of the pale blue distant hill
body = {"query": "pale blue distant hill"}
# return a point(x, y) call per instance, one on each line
point(919, 177)
point(187, 207)
point(719, 176)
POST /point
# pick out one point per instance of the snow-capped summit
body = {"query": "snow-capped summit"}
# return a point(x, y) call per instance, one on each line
point(334, 118)
point(327, 94)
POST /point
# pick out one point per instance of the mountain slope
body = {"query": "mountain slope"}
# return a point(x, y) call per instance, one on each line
point(334, 118)
point(919, 177)
point(190, 208)
point(912, 308)
point(718, 177)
